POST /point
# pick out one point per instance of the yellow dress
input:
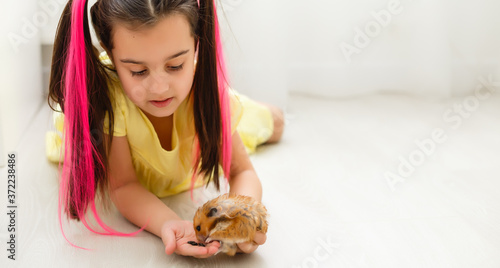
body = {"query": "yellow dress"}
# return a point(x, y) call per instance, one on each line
point(163, 172)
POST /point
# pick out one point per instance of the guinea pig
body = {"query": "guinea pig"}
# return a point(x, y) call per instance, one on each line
point(230, 219)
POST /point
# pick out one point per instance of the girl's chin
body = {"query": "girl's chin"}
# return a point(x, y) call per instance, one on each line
point(157, 112)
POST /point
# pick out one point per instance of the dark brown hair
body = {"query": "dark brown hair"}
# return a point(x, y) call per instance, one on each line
point(205, 90)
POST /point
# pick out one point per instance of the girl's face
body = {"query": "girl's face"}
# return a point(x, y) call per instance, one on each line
point(156, 65)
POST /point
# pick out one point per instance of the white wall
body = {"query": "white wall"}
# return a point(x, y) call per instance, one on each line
point(427, 47)
point(20, 71)
point(254, 40)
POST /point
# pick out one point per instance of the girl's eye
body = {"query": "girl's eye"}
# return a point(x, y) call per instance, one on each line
point(175, 68)
point(143, 72)
point(171, 68)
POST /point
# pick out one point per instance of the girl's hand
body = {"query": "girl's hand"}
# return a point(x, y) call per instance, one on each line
point(249, 247)
point(176, 234)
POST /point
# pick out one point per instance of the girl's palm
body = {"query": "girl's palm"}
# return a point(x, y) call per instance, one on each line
point(176, 235)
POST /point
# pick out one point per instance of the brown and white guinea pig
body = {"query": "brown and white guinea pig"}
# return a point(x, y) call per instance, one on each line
point(230, 219)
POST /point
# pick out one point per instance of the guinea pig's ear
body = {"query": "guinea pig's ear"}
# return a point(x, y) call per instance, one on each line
point(214, 212)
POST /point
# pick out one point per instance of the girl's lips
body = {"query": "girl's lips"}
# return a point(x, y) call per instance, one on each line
point(163, 103)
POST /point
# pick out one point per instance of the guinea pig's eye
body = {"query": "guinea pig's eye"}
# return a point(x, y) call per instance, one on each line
point(198, 228)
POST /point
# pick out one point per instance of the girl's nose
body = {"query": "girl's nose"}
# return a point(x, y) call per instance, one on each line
point(159, 83)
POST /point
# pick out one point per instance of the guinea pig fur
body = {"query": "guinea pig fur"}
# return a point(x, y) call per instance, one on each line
point(230, 219)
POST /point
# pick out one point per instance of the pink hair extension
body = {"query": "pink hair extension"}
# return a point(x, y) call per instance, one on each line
point(77, 184)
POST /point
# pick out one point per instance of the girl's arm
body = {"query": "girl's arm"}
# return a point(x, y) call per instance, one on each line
point(244, 181)
point(143, 208)
point(243, 178)
point(133, 201)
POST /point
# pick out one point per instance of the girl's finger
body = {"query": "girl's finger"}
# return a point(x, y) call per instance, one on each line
point(260, 238)
point(248, 247)
point(197, 251)
point(169, 241)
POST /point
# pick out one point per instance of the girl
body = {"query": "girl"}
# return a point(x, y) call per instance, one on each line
point(160, 96)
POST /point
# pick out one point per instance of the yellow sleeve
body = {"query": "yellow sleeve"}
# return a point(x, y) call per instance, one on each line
point(236, 109)
point(117, 101)
point(119, 113)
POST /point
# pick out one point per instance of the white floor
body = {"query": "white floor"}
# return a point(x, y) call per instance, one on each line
point(326, 188)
